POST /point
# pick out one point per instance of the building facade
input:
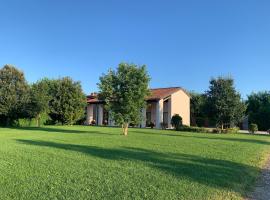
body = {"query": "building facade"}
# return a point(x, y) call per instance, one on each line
point(162, 104)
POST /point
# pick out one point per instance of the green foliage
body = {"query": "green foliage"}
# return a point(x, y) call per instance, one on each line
point(14, 95)
point(198, 104)
point(38, 104)
point(124, 92)
point(67, 103)
point(253, 128)
point(258, 109)
point(224, 102)
point(176, 121)
point(227, 130)
point(193, 129)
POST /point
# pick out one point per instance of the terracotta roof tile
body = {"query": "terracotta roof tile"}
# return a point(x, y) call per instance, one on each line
point(156, 94)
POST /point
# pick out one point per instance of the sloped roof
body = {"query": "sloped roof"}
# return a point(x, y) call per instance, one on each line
point(155, 94)
point(160, 93)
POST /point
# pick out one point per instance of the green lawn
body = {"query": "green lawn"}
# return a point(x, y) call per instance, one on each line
point(98, 163)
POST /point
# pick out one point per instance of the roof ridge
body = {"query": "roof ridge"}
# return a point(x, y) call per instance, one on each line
point(165, 88)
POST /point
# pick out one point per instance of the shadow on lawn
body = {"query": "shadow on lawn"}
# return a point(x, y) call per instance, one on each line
point(208, 136)
point(213, 172)
point(61, 130)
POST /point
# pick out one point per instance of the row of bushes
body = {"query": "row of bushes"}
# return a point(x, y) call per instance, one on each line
point(206, 130)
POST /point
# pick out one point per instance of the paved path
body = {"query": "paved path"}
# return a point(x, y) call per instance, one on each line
point(262, 189)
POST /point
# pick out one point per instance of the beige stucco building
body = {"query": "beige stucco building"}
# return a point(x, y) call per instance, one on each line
point(162, 104)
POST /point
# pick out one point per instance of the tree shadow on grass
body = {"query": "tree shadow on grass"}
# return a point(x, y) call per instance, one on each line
point(208, 136)
point(61, 130)
point(212, 172)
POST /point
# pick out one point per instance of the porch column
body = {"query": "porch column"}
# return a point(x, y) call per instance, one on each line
point(143, 123)
point(90, 114)
point(100, 114)
point(169, 113)
point(159, 113)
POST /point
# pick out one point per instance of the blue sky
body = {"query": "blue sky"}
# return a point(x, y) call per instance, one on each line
point(183, 43)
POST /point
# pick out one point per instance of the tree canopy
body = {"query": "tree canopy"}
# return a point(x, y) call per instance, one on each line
point(61, 100)
point(258, 109)
point(68, 102)
point(13, 94)
point(124, 91)
point(224, 102)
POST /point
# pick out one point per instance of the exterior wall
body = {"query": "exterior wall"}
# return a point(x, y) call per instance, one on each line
point(180, 104)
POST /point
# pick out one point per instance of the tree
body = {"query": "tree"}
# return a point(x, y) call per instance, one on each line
point(124, 92)
point(13, 94)
point(68, 102)
point(38, 104)
point(198, 109)
point(224, 102)
point(176, 121)
point(258, 109)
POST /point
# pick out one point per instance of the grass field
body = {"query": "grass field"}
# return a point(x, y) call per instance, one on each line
point(98, 163)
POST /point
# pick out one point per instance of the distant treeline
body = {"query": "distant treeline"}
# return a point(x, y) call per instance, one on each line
point(222, 105)
point(48, 101)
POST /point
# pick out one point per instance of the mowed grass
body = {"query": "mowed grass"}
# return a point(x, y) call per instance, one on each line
point(82, 162)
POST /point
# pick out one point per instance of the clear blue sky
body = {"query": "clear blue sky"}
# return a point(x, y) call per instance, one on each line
point(183, 43)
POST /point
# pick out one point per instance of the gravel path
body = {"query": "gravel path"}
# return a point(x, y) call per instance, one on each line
point(262, 189)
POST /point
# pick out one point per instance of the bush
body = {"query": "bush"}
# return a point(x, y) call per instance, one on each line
point(227, 130)
point(253, 128)
point(176, 121)
point(163, 125)
point(232, 130)
point(151, 124)
point(193, 129)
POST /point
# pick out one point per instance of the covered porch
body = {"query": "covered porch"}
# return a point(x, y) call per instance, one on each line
point(157, 112)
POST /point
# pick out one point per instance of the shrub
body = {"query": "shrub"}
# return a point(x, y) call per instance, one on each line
point(253, 128)
point(193, 129)
point(232, 130)
point(151, 124)
point(163, 125)
point(176, 121)
point(217, 130)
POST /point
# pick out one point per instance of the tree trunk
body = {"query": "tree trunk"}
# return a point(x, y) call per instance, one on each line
point(125, 129)
point(38, 120)
point(222, 126)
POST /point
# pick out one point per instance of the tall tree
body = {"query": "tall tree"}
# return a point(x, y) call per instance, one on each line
point(258, 109)
point(13, 94)
point(225, 104)
point(197, 109)
point(124, 92)
point(68, 101)
point(38, 104)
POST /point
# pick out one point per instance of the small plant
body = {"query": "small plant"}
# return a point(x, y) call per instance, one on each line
point(151, 124)
point(163, 125)
point(217, 130)
point(253, 128)
point(176, 121)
